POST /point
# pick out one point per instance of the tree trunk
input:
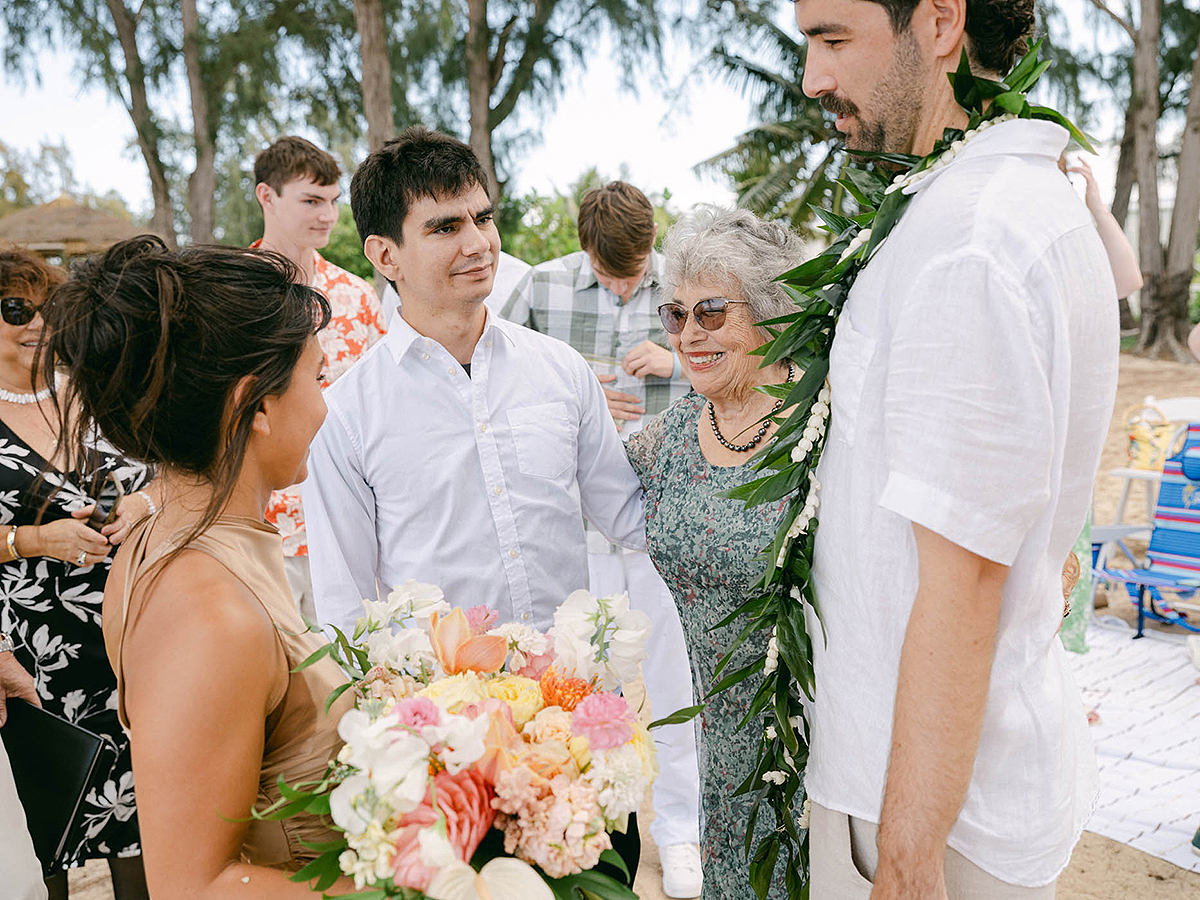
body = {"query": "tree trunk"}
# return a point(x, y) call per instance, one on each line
point(1181, 246)
point(163, 220)
point(1162, 326)
point(202, 184)
point(1125, 180)
point(479, 89)
point(376, 72)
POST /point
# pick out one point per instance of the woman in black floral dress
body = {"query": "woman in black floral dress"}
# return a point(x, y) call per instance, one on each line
point(53, 567)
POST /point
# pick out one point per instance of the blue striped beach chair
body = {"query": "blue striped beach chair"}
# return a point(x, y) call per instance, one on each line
point(1173, 557)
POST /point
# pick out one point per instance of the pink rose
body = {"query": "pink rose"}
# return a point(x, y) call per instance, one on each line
point(605, 719)
point(465, 800)
point(417, 712)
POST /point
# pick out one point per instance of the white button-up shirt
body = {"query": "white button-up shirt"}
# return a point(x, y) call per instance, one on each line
point(478, 483)
point(973, 374)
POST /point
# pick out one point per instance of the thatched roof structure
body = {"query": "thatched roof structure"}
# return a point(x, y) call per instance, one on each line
point(64, 229)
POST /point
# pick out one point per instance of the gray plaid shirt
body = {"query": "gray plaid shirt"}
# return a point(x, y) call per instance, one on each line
point(563, 298)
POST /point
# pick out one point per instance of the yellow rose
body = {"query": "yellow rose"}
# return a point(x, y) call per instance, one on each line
point(580, 749)
point(523, 696)
point(644, 744)
point(454, 692)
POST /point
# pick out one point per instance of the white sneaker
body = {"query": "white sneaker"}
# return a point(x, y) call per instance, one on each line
point(681, 874)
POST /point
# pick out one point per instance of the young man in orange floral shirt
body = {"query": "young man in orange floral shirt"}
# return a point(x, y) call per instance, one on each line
point(296, 183)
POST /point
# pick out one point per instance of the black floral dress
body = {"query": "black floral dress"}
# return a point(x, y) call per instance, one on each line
point(707, 549)
point(52, 610)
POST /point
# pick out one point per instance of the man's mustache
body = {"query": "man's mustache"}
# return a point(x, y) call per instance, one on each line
point(838, 106)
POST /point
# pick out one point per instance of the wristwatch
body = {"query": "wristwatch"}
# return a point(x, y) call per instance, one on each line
point(6, 643)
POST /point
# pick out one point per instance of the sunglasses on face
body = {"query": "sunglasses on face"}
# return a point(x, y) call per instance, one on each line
point(17, 310)
point(710, 314)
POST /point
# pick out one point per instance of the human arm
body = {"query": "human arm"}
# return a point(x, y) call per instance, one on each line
point(131, 509)
point(1127, 274)
point(945, 669)
point(63, 539)
point(339, 519)
point(202, 669)
point(609, 489)
point(15, 682)
point(649, 358)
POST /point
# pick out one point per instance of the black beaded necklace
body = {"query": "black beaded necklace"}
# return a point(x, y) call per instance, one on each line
point(753, 442)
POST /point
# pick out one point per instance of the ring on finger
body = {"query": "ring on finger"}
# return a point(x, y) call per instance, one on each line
point(82, 558)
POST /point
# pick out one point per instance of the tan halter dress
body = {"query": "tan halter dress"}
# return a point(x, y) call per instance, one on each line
point(299, 737)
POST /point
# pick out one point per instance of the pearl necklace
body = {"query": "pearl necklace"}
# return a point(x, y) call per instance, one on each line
point(754, 441)
point(23, 399)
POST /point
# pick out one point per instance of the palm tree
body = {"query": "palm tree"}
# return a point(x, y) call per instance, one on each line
point(791, 160)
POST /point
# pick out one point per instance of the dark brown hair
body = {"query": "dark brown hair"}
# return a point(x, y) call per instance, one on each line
point(153, 343)
point(616, 224)
point(997, 30)
point(30, 272)
point(292, 157)
point(419, 163)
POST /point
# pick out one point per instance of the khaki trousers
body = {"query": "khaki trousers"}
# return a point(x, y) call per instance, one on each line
point(844, 858)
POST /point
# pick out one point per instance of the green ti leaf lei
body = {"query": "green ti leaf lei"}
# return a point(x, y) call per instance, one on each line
point(777, 601)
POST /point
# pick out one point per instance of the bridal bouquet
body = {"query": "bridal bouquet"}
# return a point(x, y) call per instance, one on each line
point(460, 727)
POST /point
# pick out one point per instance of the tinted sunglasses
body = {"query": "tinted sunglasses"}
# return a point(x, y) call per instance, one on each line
point(710, 314)
point(17, 310)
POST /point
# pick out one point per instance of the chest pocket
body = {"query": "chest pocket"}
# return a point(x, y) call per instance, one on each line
point(545, 438)
point(849, 359)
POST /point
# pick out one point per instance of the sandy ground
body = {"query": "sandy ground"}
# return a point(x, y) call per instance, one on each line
point(1100, 869)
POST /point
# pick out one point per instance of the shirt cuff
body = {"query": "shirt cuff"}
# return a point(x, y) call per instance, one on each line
point(982, 531)
point(678, 368)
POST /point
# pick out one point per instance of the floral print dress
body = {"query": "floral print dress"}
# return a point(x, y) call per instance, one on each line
point(52, 610)
point(707, 549)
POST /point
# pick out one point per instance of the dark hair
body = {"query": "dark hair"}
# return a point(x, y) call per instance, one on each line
point(29, 271)
point(997, 30)
point(616, 223)
point(419, 163)
point(153, 342)
point(293, 157)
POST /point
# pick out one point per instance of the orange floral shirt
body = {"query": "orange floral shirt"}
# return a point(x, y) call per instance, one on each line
point(355, 323)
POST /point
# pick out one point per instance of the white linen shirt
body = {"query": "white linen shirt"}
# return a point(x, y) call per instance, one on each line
point(973, 374)
point(477, 484)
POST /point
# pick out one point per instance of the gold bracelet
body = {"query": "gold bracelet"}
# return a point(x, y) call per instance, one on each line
point(11, 542)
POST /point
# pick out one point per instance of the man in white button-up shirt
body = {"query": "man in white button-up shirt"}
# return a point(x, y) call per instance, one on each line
point(973, 373)
point(462, 450)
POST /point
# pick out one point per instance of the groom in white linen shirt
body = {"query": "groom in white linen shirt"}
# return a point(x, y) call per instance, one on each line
point(462, 450)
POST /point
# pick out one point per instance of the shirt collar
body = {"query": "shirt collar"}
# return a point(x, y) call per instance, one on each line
point(1018, 137)
point(586, 276)
point(401, 336)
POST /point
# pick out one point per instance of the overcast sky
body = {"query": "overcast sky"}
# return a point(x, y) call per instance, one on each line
point(595, 122)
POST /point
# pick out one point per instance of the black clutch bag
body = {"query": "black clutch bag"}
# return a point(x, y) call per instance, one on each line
point(54, 764)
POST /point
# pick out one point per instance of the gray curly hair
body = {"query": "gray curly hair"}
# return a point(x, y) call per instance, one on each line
point(736, 251)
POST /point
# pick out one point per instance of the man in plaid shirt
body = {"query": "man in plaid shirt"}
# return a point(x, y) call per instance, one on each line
point(603, 301)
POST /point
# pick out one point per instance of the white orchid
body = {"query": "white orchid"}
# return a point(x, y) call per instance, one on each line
point(408, 650)
point(416, 600)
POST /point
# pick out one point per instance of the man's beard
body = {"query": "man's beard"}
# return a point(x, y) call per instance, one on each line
point(895, 104)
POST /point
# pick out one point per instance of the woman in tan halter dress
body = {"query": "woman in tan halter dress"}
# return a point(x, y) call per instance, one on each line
point(205, 362)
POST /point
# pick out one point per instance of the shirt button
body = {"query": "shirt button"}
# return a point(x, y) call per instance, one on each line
point(487, 343)
point(483, 428)
point(525, 616)
point(513, 553)
point(424, 356)
point(499, 490)
point(450, 370)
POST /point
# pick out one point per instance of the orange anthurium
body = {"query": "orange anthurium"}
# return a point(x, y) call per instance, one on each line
point(458, 651)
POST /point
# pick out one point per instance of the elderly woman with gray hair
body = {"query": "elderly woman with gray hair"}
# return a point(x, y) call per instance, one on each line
point(720, 271)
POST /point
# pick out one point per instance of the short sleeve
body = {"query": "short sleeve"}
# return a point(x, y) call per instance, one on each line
point(968, 411)
point(517, 308)
point(643, 448)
